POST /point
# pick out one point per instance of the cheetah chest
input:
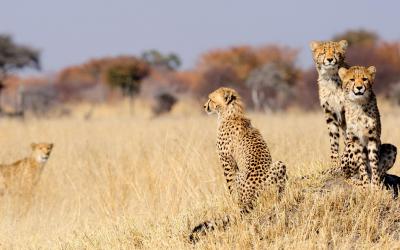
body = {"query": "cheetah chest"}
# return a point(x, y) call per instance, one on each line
point(332, 97)
point(360, 126)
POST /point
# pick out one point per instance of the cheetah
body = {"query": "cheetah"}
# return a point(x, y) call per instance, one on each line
point(328, 57)
point(363, 155)
point(21, 176)
point(243, 154)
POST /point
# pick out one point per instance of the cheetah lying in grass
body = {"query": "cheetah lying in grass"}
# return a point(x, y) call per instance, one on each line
point(22, 175)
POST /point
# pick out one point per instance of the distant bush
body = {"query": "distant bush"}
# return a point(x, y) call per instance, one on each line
point(127, 74)
point(122, 72)
point(163, 103)
point(271, 87)
point(232, 67)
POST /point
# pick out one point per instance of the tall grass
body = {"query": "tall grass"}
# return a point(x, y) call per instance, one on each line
point(129, 182)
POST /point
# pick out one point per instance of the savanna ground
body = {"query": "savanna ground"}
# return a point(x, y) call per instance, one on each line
point(124, 182)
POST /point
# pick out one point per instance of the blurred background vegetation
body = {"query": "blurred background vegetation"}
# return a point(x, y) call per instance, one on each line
point(269, 77)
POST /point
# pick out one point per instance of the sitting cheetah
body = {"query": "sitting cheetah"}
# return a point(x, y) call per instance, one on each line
point(363, 143)
point(243, 154)
point(329, 57)
point(21, 176)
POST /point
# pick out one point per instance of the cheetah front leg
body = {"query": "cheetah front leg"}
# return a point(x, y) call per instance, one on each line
point(354, 160)
point(373, 158)
point(360, 159)
point(333, 129)
point(347, 161)
point(230, 170)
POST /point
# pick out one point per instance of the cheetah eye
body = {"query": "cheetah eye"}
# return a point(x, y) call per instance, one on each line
point(364, 79)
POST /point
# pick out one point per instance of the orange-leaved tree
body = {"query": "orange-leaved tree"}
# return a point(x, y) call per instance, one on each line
point(127, 73)
point(233, 66)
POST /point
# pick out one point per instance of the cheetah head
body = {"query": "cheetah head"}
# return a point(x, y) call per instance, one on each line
point(328, 55)
point(357, 82)
point(41, 151)
point(221, 99)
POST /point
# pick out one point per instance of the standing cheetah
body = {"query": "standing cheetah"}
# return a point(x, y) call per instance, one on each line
point(243, 154)
point(363, 147)
point(329, 57)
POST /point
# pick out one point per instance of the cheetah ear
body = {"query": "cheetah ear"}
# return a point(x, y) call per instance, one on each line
point(33, 145)
point(342, 72)
point(314, 45)
point(229, 96)
point(51, 145)
point(372, 72)
point(343, 44)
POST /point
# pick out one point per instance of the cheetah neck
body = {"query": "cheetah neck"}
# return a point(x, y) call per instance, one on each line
point(37, 161)
point(328, 76)
point(231, 111)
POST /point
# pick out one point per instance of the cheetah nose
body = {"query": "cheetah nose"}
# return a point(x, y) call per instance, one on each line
point(359, 87)
point(329, 59)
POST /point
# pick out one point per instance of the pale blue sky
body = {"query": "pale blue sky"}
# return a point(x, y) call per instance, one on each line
point(70, 32)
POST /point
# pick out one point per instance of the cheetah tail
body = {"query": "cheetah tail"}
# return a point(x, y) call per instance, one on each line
point(209, 226)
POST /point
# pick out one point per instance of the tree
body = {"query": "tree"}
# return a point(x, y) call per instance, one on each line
point(15, 57)
point(240, 60)
point(359, 37)
point(126, 73)
point(170, 62)
point(217, 76)
point(270, 86)
point(232, 66)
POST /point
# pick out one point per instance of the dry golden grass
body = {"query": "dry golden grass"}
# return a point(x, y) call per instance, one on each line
point(124, 183)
